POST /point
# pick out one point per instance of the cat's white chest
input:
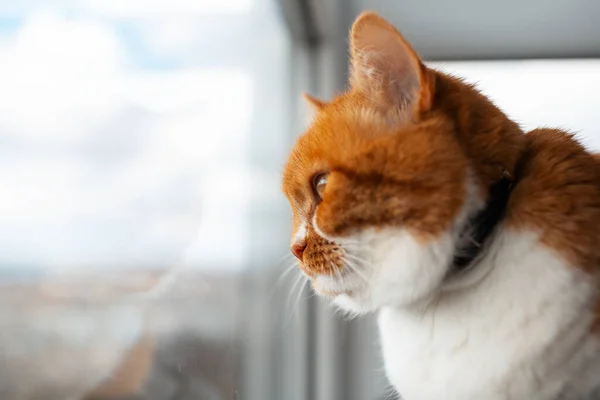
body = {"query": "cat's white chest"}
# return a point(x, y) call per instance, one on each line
point(523, 333)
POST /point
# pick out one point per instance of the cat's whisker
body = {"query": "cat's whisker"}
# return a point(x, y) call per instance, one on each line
point(279, 281)
point(285, 257)
point(294, 286)
point(299, 296)
point(353, 245)
point(334, 272)
point(354, 268)
point(285, 273)
point(348, 242)
point(293, 308)
point(338, 273)
point(339, 270)
point(354, 250)
point(392, 393)
point(358, 259)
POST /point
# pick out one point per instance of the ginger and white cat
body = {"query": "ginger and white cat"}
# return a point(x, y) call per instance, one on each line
point(478, 244)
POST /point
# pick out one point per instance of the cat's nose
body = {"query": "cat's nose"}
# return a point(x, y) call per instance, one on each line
point(298, 248)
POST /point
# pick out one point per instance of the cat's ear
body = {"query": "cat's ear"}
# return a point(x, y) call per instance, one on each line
point(313, 107)
point(386, 68)
point(316, 104)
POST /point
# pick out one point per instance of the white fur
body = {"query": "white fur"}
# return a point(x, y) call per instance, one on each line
point(399, 270)
point(515, 327)
point(522, 332)
point(403, 274)
point(300, 234)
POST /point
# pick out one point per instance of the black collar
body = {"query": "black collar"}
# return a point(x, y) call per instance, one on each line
point(480, 227)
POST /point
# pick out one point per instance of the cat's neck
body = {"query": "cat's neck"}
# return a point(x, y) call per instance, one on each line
point(478, 230)
point(525, 302)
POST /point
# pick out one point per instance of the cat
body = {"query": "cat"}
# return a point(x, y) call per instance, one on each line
point(478, 244)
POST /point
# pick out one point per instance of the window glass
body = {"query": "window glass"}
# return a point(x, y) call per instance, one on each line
point(140, 148)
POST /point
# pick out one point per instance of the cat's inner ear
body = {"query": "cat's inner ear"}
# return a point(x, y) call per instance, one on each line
point(386, 68)
point(315, 103)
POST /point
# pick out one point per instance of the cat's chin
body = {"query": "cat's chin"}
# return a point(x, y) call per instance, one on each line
point(332, 288)
point(346, 294)
point(353, 305)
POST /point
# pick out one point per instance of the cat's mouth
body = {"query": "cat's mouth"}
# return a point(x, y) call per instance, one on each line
point(335, 267)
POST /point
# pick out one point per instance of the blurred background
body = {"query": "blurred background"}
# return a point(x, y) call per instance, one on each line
point(143, 235)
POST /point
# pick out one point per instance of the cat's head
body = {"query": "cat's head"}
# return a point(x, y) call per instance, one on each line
point(386, 176)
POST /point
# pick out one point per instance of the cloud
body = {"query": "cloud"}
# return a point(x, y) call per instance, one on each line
point(154, 8)
point(129, 8)
point(105, 165)
point(58, 77)
point(176, 37)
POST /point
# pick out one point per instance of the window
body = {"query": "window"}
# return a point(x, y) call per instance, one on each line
point(540, 93)
point(141, 144)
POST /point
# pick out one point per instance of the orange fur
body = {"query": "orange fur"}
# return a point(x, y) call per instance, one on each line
point(390, 167)
point(558, 195)
point(416, 150)
point(399, 160)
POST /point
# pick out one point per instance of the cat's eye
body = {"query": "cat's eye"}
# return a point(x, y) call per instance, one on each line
point(319, 182)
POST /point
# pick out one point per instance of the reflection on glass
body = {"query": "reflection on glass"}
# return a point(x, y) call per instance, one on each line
point(134, 181)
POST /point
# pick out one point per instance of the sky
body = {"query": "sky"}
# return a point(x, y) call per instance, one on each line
point(116, 134)
point(126, 128)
